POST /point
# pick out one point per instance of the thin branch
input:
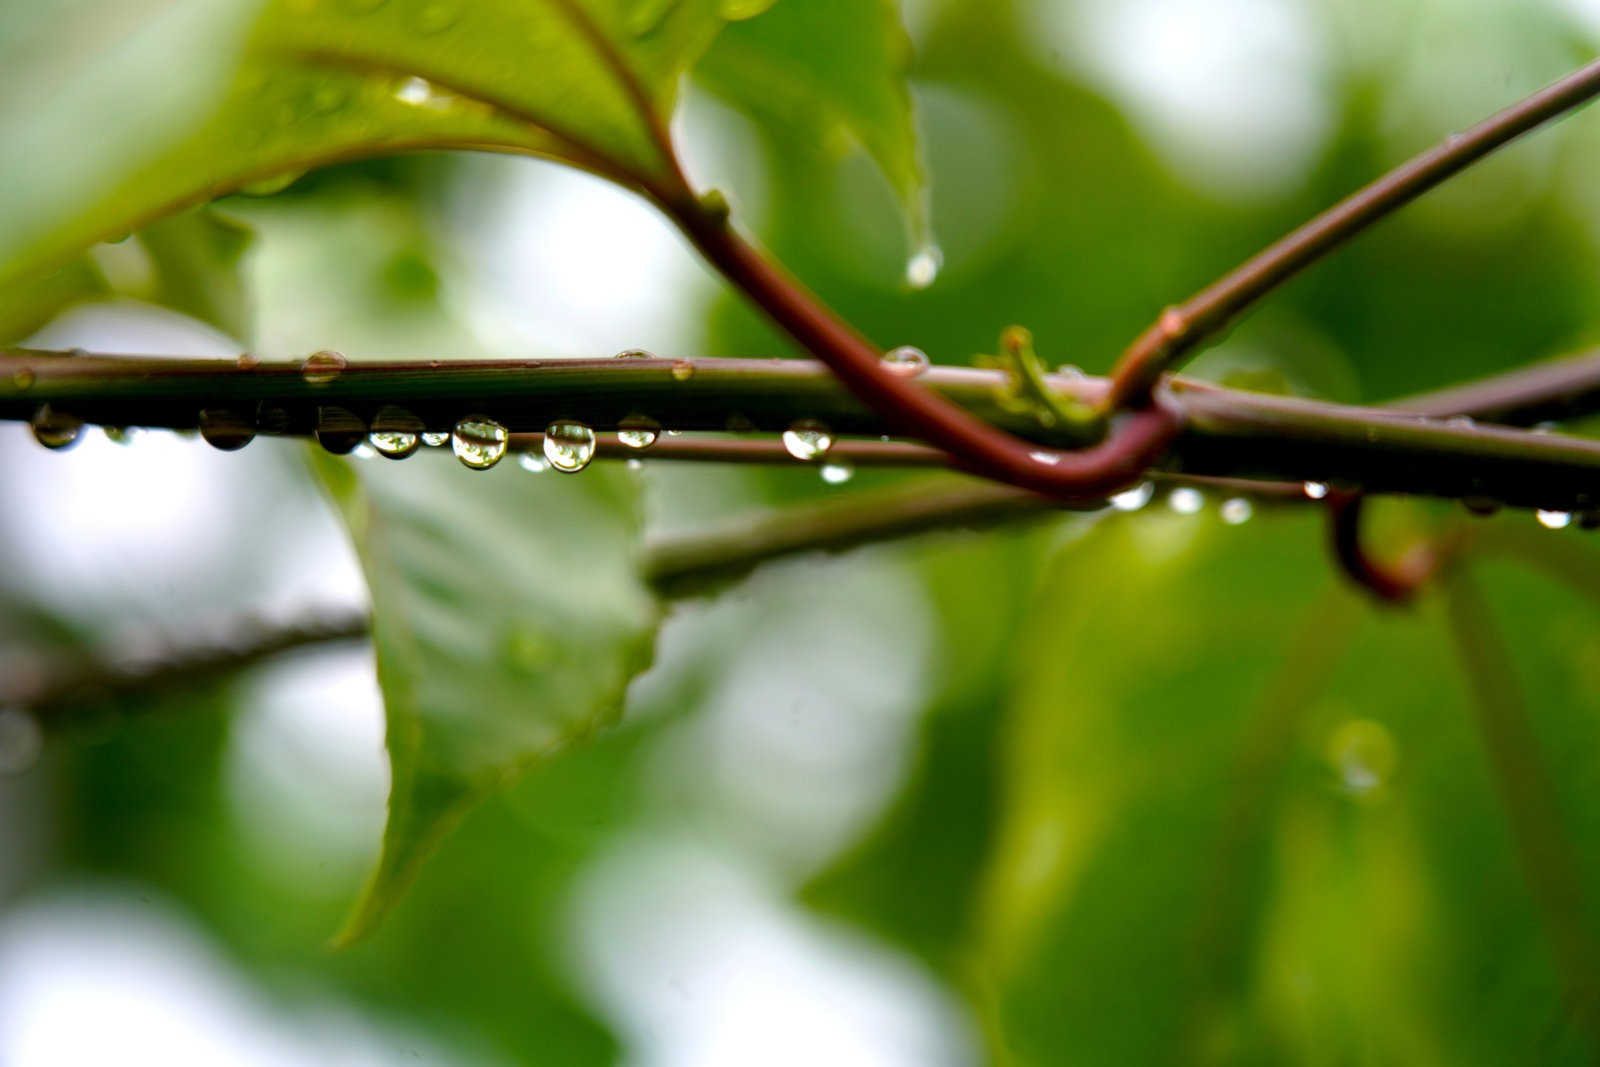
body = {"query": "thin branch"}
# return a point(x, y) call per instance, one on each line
point(1180, 329)
point(61, 694)
point(1549, 861)
point(1394, 583)
point(1224, 431)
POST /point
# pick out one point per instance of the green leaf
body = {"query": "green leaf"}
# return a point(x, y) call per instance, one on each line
point(277, 90)
point(830, 73)
point(197, 256)
point(508, 619)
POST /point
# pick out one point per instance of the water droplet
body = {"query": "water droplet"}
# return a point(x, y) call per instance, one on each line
point(807, 440)
point(120, 435)
point(1482, 506)
point(1554, 520)
point(437, 17)
point(56, 430)
point(246, 361)
point(636, 353)
point(24, 378)
point(479, 442)
point(1070, 370)
point(418, 92)
point(533, 463)
point(1363, 753)
point(568, 445)
point(395, 432)
point(682, 370)
point(922, 269)
point(838, 472)
point(1186, 500)
point(339, 430)
point(225, 430)
point(1135, 498)
point(1237, 511)
point(1461, 422)
point(638, 431)
point(1316, 490)
point(21, 741)
point(906, 361)
point(320, 368)
point(435, 440)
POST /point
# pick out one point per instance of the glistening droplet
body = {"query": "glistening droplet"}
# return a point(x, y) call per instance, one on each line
point(120, 435)
point(807, 440)
point(320, 368)
point(396, 432)
point(56, 430)
point(638, 431)
point(837, 473)
point(682, 370)
point(922, 269)
point(1316, 490)
point(635, 353)
point(435, 440)
point(225, 430)
point(339, 430)
point(1135, 498)
point(479, 442)
point(568, 445)
point(1186, 500)
point(1237, 511)
point(1554, 520)
point(907, 361)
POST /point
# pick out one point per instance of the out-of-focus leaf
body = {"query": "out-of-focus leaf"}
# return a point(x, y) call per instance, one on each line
point(830, 73)
point(197, 258)
point(308, 82)
point(508, 619)
point(29, 303)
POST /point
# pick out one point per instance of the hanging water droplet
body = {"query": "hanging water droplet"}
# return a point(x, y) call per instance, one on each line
point(395, 432)
point(339, 430)
point(1481, 506)
point(21, 741)
point(120, 435)
point(1237, 511)
point(1186, 500)
point(568, 445)
point(23, 378)
point(922, 269)
point(682, 370)
point(320, 368)
point(807, 440)
point(479, 442)
point(1554, 520)
point(907, 361)
point(635, 353)
point(56, 430)
point(533, 463)
point(1135, 498)
point(1316, 490)
point(225, 430)
point(435, 440)
point(838, 472)
point(638, 431)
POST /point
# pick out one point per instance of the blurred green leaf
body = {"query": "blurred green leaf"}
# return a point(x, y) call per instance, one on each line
point(252, 103)
point(198, 256)
point(508, 619)
point(830, 73)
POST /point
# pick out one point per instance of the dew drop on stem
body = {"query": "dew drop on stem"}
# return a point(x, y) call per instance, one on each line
point(1315, 490)
point(339, 430)
point(1135, 498)
point(435, 440)
point(638, 431)
point(1186, 500)
point(807, 440)
point(56, 430)
point(568, 445)
point(396, 433)
point(1237, 511)
point(479, 442)
point(321, 368)
point(682, 370)
point(635, 353)
point(1553, 520)
point(905, 361)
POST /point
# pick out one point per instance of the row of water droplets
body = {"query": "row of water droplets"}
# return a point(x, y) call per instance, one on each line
point(569, 446)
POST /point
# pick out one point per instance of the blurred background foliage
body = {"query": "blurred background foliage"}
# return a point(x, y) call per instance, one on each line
point(1124, 788)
